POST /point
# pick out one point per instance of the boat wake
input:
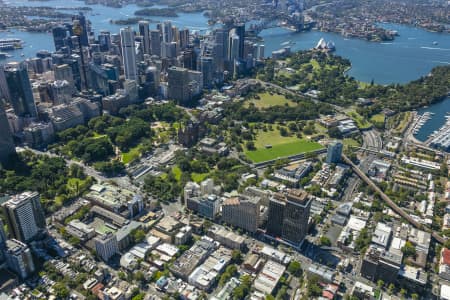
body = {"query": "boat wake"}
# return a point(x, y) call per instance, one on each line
point(435, 48)
point(441, 62)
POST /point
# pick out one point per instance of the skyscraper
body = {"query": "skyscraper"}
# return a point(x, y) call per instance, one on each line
point(233, 45)
point(167, 33)
point(184, 38)
point(155, 42)
point(104, 39)
point(19, 88)
point(84, 30)
point(18, 258)
point(288, 216)
point(184, 84)
point(334, 152)
point(60, 34)
point(6, 141)
point(296, 216)
point(206, 67)
point(128, 53)
point(220, 53)
point(25, 216)
point(144, 32)
point(275, 217)
point(240, 31)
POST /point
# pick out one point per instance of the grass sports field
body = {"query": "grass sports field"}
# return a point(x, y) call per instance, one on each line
point(268, 100)
point(282, 150)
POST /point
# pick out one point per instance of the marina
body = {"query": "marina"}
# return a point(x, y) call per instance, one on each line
point(438, 117)
point(421, 120)
point(440, 139)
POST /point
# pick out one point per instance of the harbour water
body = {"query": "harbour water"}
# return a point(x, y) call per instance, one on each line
point(438, 113)
point(411, 55)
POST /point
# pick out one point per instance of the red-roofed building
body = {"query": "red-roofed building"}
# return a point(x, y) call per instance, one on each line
point(97, 290)
point(444, 264)
point(330, 291)
point(328, 295)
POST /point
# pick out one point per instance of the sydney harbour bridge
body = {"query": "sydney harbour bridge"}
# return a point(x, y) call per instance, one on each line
point(285, 13)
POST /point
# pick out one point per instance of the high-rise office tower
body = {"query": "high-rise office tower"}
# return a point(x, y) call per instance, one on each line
point(104, 39)
point(275, 217)
point(19, 89)
point(233, 46)
point(296, 216)
point(240, 31)
point(220, 51)
point(184, 84)
point(169, 50)
point(206, 66)
point(60, 34)
point(288, 216)
point(25, 216)
point(6, 141)
point(144, 32)
point(4, 92)
point(128, 53)
point(64, 73)
point(334, 152)
point(84, 30)
point(19, 259)
point(167, 33)
point(155, 42)
point(183, 40)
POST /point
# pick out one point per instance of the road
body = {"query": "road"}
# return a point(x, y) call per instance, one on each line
point(391, 203)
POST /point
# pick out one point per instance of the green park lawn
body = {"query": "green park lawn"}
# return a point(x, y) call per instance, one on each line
point(378, 118)
point(351, 142)
point(282, 150)
point(267, 100)
point(281, 146)
point(272, 138)
point(199, 177)
point(361, 122)
point(131, 155)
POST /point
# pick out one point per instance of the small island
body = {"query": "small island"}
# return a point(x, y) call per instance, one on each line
point(129, 21)
point(158, 12)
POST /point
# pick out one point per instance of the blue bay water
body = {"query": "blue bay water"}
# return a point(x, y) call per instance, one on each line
point(411, 55)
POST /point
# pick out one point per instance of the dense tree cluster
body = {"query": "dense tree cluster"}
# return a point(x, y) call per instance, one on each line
point(167, 112)
point(50, 176)
point(304, 110)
